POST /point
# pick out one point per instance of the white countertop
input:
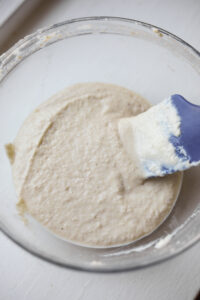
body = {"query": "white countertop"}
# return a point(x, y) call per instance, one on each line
point(23, 276)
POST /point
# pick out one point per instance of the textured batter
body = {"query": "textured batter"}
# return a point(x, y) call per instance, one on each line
point(74, 176)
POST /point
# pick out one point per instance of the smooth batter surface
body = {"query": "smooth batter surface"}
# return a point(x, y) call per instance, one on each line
point(74, 176)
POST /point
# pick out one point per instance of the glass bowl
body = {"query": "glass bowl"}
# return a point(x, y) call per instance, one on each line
point(139, 56)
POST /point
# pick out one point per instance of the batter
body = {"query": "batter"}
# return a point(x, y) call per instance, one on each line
point(73, 175)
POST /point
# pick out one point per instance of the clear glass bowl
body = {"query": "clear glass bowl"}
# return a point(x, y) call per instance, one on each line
point(130, 53)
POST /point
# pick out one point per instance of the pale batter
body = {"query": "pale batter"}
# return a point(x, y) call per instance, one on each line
point(74, 176)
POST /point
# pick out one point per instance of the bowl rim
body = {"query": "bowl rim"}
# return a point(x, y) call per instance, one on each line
point(5, 56)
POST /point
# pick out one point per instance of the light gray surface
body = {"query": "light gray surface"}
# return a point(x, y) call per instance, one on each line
point(13, 13)
point(7, 8)
point(25, 277)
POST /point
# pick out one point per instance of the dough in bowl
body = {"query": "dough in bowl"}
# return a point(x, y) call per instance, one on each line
point(73, 175)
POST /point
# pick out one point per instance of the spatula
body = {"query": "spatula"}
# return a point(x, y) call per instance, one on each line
point(164, 139)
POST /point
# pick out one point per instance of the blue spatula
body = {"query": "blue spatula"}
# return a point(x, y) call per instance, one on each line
point(165, 139)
